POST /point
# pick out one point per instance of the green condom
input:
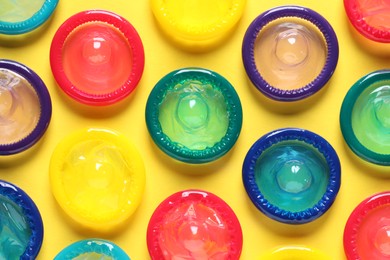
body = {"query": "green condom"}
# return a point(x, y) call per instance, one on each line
point(194, 115)
point(365, 118)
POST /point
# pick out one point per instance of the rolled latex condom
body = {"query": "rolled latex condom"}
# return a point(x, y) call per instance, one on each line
point(21, 233)
point(194, 115)
point(292, 175)
point(370, 24)
point(367, 231)
point(290, 53)
point(194, 224)
point(23, 16)
point(97, 57)
point(365, 118)
point(25, 107)
point(97, 177)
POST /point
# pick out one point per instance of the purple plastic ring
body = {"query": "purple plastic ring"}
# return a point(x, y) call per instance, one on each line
point(248, 54)
point(44, 99)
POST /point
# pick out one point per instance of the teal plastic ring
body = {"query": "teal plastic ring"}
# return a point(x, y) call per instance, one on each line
point(12, 27)
point(194, 115)
point(367, 104)
point(97, 248)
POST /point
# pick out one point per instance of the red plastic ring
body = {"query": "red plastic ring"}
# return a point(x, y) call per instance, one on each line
point(367, 232)
point(369, 18)
point(106, 59)
point(194, 224)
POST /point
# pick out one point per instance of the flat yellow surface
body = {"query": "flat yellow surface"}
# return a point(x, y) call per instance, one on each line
point(223, 178)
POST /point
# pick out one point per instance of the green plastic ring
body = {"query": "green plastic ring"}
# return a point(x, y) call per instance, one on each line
point(194, 115)
point(365, 118)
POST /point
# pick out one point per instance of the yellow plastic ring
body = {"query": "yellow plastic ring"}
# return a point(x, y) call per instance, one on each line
point(197, 25)
point(97, 177)
point(295, 252)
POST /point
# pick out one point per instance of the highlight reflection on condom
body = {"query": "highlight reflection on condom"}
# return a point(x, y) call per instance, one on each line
point(15, 232)
point(365, 117)
point(200, 115)
point(194, 115)
point(19, 107)
point(371, 118)
point(292, 175)
point(97, 57)
point(194, 225)
point(97, 177)
point(289, 54)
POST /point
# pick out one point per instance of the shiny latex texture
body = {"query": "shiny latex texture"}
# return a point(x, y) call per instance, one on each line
point(19, 107)
point(97, 176)
point(97, 57)
point(19, 10)
point(197, 25)
point(194, 115)
point(21, 226)
point(370, 18)
point(365, 117)
point(194, 224)
point(15, 231)
point(292, 175)
point(290, 53)
point(367, 231)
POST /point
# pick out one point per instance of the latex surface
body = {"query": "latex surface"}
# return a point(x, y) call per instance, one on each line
point(96, 178)
point(194, 114)
point(292, 175)
point(194, 231)
point(97, 58)
point(19, 10)
point(373, 236)
point(19, 107)
point(375, 13)
point(14, 230)
point(371, 118)
point(289, 54)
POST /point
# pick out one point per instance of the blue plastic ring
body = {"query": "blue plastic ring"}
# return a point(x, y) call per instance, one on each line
point(274, 212)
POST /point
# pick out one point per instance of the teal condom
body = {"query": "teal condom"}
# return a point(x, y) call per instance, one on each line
point(365, 118)
point(194, 115)
point(22, 16)
point(21, 226)
point(292, 175)
point(92, 249)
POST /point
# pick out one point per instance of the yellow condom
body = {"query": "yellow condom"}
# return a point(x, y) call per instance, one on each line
point(197, 25)
point(295, 253)
point(97, 177)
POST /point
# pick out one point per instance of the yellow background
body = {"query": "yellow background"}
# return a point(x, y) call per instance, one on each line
point(223, 178)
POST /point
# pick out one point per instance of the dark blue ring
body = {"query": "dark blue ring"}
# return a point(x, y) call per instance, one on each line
point(45, 108)
point(32, 215)
point(272, 211)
